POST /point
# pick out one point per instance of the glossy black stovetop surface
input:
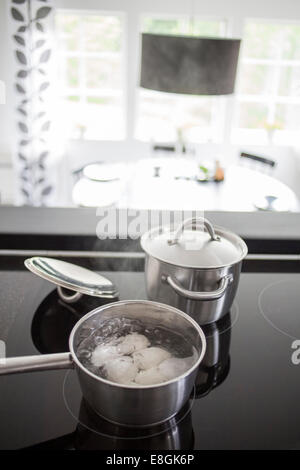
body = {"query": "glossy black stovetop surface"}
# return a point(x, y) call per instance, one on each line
point(246, 396)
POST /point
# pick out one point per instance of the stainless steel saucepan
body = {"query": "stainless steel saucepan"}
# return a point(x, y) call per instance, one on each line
point(195, 268)
point(124, 404)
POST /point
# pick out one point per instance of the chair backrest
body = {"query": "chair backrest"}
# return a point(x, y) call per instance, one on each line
point(258, 162)
point(257, 158)
point(163, 148)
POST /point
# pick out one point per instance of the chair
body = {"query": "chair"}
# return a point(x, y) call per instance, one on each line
point(163, 148)
point(263, 164)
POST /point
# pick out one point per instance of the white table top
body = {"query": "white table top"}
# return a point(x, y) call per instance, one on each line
point(241, 189)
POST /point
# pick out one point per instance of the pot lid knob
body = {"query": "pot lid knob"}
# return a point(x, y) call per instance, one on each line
point(194, 223)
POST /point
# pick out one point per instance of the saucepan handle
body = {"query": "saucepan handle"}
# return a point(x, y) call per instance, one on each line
point(194, 295)
point(15, 365)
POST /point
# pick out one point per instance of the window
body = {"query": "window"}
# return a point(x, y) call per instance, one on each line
point(92, 82)
point(91, 75)
point(269, 83)
point(161, 116)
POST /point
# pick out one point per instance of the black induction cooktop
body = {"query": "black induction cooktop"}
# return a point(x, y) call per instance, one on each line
point(246, 395)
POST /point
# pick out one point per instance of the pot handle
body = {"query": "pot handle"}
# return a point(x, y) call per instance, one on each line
point(69, 299)
point(189, 294)
point(194, 222)
point(14, 365)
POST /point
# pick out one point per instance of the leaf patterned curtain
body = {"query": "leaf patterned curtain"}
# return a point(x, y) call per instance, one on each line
point(32, 23)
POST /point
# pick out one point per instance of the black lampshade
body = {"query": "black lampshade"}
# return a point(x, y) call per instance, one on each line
point(189, 65)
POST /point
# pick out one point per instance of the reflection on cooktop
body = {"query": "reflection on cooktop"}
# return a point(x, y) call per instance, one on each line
point(94, 433)
point(175, 434)
point(54, 319)
point(216, 363)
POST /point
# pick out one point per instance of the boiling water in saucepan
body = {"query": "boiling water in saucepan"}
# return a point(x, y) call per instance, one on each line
point(132, 352)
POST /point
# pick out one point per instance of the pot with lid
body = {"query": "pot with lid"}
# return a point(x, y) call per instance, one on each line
point(195, 268)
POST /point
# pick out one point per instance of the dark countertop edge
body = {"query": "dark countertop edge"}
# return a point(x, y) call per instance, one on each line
point(16, 263)
point(28, 228)
point(83, 222)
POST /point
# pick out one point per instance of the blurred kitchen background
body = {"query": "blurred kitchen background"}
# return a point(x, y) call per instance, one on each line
point(77, 129)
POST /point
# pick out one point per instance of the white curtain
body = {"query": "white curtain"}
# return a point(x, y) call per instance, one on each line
point(32, 40)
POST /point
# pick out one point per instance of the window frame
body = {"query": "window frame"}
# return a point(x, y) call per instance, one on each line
point(258, 135)
point(81, 92)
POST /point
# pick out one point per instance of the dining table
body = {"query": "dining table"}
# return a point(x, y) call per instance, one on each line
point(174, 184)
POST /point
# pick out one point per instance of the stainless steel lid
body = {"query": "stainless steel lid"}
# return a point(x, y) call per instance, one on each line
point(71, 276)
point(191, 246)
